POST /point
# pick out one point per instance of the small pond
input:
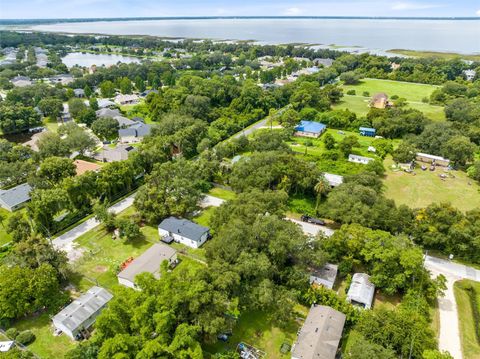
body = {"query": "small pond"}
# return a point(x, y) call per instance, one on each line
point(88, 59)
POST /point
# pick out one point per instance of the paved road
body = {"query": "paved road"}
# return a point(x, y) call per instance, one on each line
point(251, 129)
point(449, 339)
point(312, 229)
point(65, 241)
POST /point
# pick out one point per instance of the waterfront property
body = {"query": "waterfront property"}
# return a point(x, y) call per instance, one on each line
point(320, 335)
point(16, 197)
point(182, 231)
point(75, 319)
point(361, 291)
point(148, 262)
point(310, 129)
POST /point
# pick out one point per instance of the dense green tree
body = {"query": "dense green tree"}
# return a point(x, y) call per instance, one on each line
point(15, 118)
point(107, 89)
point(51, 107)
point(54, 169)
point(105, 128)
point(50, 144)
point(76, 106)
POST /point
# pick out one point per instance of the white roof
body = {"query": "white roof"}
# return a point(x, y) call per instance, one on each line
point(333, 180)
point(6, 346)
point(361, 290)
point(80, 310)
point(433, 157)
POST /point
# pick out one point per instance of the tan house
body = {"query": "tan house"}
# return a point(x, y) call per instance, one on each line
point(85, 166)
point(380, 100)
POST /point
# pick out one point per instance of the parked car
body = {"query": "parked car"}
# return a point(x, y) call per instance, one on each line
point(312, 220)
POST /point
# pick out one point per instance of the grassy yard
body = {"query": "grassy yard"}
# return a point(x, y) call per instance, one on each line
point(45, 345)
point(222, 193)
point(467, 294)
point(256, 328)
point(4, 237)
point(413, 92)
point(427, 187)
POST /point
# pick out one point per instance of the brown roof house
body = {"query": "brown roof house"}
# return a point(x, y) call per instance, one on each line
point(84, 166)
point(380, 100)
point(320, 335)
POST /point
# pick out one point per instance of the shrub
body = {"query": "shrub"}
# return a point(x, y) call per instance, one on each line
point(12, 333)
point(25, 337)
point(366, 93)
point(351, 92)
point(394, 97)
point(425, 100)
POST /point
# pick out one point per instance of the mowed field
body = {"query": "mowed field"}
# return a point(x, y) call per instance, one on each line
point(412, 92)
point(467, 295)
point(427, 187)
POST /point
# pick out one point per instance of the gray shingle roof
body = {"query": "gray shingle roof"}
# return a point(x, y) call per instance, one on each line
point(80, 310)
point(148, 262)
point(320, 334)
point(15, 196)
point(183, 227)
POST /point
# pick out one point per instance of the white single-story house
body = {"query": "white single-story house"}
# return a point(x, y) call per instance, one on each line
point(324, 276)
point(63, 79)
point(359, 159)
point(148, 262)
point(79, 315)
point(183, 231)
point(320, 334)
point(5, 346)
point(361, 291)
point(16, 197)
point(127, 99)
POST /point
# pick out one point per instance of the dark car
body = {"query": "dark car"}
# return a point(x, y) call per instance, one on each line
point(312, 220)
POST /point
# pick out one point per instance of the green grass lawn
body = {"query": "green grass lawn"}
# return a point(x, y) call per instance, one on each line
point(45, 345)
point(203, 218)
point(441, 55)
point(413, 92)
point(222, 193)
point(4, 237)
point(465, 290)
point(426, 187)
point(256, 328)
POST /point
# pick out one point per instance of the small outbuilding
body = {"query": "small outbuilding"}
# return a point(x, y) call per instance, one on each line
point(359, 159)
point(5, 346)
point(16, 197)
point(333, 180)
point(80, 315)
point(380, 100)
point(183, 231)
point(79, 93)
point(148, 262)
point(361, 291)
point(367, 131)
point(320, 335)
point(310, 129)
point(324, 276)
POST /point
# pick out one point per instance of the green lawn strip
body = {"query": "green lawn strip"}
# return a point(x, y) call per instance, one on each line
point(408, 90)
point(467, 294)
point(256, 328)
point(46, 345)
point(441, 55)
point(203, 218)
point(426, 187)
point(4, 236)
point(222, 193)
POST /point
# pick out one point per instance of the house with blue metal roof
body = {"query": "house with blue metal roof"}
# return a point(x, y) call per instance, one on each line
point(310, 129)
point(367, 131)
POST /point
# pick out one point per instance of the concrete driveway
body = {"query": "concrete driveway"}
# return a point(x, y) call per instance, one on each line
point(449, 339)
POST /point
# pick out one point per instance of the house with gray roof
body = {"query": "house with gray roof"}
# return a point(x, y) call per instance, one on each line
point(324, 276)
point(79, 92)
point(182, 231)
point(361, 291)
point(63, 79)
point(119, 153)
point(16, 197)
point(21, 81)
point(324, 62)
point(134, 133)
point(107, 112)
point(148, 262)
point(320, 334)
point(80, 315)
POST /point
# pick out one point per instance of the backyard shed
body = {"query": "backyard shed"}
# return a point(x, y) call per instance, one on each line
point(333, 180)
point(82, 312)
point(320, 335)
point(324, 276)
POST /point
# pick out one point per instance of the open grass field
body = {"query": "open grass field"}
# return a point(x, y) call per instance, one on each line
point(427, 187)
point(256, 328)
point(46, 345)
point(413, 92)
point(467, 295)
point(440, 55)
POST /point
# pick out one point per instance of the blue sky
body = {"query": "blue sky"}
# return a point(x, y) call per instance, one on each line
point(132, 8)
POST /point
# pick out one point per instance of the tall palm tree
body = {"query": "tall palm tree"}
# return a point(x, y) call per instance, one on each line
point(322, 187)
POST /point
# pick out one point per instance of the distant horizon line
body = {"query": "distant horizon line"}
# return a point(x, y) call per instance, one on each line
point(232, 17)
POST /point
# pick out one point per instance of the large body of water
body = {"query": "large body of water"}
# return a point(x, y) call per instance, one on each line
point(461, 36)
point(89, 59)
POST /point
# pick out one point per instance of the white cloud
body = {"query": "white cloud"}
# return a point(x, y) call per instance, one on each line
point(478, 13)
point(293, 11)
point(413, 6)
